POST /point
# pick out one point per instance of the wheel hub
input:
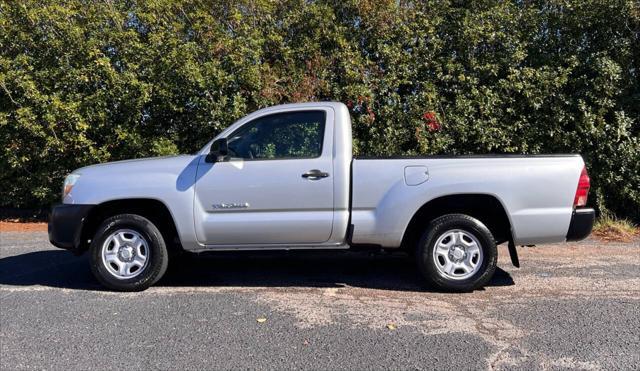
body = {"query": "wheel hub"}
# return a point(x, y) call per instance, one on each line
point(457, 253)
point(126, 253)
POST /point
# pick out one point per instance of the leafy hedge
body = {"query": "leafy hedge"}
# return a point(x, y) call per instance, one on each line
point(85, 82)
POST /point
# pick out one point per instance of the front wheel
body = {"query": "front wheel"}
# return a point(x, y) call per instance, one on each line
point(128, 253)
point(457, 253)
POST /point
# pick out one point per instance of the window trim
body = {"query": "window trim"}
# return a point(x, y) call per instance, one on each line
point(324, 132)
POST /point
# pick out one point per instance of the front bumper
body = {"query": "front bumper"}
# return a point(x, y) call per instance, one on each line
point(65, 225)
point(581, 224)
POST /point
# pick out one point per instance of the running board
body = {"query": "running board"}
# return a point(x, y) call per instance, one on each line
point(269, 247)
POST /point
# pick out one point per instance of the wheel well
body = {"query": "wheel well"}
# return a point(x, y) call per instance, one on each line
point(154, 210)
point(485, 208)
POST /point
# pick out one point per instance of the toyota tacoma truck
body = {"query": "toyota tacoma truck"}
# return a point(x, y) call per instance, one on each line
point(284, 178)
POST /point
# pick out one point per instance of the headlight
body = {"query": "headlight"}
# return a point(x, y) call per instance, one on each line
point(69, 182)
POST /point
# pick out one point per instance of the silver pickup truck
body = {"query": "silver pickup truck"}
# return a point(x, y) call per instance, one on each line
point(285, 178)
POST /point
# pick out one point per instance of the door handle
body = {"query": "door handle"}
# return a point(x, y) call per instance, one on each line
point(315, 174)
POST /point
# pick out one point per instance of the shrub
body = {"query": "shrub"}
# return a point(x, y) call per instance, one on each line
point(91, 82)
point(610, 228)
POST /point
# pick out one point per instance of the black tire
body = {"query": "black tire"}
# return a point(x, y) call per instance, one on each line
point(158, 256)
point(426, 260)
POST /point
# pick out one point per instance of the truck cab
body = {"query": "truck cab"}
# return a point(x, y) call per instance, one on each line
point(278, 178)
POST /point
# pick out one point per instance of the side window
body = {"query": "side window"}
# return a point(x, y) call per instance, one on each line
point(280, 136)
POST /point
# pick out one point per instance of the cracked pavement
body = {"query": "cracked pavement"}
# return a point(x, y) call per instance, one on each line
point(570, 306)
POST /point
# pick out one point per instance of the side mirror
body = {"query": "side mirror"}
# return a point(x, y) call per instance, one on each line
point(219, 151)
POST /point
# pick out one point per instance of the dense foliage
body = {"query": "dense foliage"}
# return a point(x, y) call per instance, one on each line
point(84, 82)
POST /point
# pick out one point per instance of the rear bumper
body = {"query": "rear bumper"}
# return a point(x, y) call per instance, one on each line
point(581, 224)
point(65, 225)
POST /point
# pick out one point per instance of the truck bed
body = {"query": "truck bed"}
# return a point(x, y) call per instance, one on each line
point(536, 191)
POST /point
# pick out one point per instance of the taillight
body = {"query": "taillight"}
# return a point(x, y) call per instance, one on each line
point(583, 189)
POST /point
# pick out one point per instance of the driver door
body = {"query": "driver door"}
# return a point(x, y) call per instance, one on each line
point(275, 187)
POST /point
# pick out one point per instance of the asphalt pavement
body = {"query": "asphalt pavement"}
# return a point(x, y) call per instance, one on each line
point(570, 306)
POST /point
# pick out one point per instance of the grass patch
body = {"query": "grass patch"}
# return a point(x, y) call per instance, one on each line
point(612, 229)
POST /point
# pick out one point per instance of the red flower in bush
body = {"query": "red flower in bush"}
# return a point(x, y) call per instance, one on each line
point(431, 122)
point(429, 116)
point(433, 126)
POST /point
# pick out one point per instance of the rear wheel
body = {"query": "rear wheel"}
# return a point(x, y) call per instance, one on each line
point(457, 253)
point(128, 253)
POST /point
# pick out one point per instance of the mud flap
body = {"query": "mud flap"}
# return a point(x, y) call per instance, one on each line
point(514, 254)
